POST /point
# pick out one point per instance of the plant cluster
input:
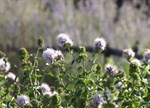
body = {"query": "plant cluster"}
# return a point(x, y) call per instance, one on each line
point(47, 79)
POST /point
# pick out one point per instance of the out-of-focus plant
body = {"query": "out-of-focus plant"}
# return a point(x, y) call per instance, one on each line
point(93, 17)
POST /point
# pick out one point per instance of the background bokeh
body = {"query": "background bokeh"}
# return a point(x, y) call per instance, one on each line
point(120, 22)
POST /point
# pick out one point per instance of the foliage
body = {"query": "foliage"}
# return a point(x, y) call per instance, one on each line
point(92, 85)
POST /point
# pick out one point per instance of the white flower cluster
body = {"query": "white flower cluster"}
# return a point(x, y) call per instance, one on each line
point(99, 44)
point(50, 54)
point(4, 66)
point(46, 90)
point(64, 40)
point(128, 53)
point(111, 70)
point(136, 61)
point(147, 56)
point(23, 100)
point(11, 77)
point(97, 101)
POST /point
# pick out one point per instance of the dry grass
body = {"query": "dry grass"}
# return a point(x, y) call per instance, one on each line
point(23, 21)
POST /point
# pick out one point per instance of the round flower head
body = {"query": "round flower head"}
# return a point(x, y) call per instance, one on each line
point(4, 65)
point(99, 44)
point(111, 70)
point(147, 56)
point(44, 88)
point(136, 61)
point(11, 77)
point(64, 40)
point(118, 85)
point(98, 99)
point(128, 53)
point(59, 55)
point(23, 100)
point(50, 54)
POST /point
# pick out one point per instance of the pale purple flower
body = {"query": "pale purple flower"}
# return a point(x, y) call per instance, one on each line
point(118, 85)
point(44, 88)
point(99, 43)
point(128, 53)
point(23, 100)
point(64, 40)
point(136, 61)
point(59, 55)
point(147, 56)
point(11, 76)
point(98, 99)
point(111, 70)
point(4, 65)
point(50, 55)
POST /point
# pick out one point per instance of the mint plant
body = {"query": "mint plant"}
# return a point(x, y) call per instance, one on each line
point(54, 79)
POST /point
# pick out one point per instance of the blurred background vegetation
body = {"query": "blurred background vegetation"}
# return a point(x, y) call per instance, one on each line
point(120, 22)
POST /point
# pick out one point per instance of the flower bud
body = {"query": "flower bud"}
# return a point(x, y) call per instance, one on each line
point(82, 49)
point(40, 42)
point(23, 53)
point(2, 54)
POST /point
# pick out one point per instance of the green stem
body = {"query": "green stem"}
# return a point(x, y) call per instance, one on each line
point(35, 60)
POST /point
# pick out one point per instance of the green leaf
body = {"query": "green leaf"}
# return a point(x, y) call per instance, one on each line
point(50, 74)
point(33, 76)
point(70, 86)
